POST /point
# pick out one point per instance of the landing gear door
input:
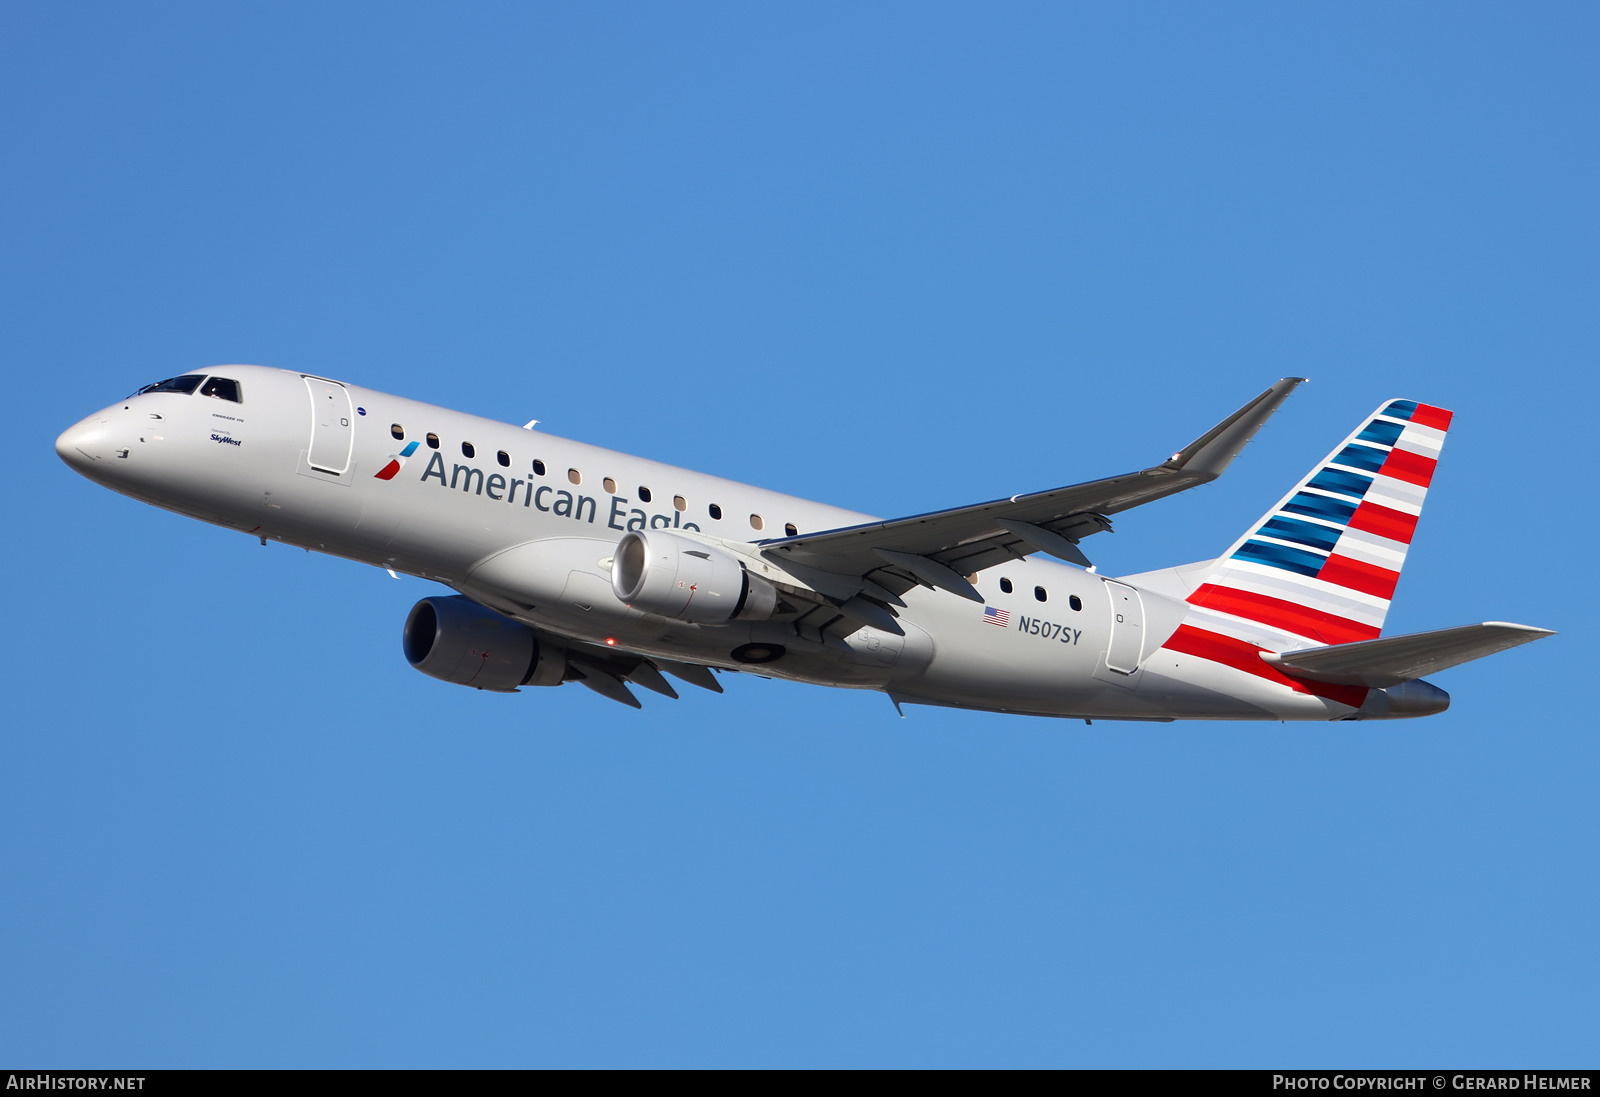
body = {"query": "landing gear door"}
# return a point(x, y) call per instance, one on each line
point(1126, 649)
point(332, 435)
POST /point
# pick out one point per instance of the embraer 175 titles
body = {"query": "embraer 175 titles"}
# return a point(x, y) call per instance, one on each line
point(575, 563)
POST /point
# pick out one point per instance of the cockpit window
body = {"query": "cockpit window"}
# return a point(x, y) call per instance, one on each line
point(222, 388)
point(185, 384)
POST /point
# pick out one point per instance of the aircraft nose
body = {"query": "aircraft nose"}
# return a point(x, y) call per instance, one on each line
point(84, 444)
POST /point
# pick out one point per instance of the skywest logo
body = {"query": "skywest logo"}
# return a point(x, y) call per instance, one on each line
point(551, 500)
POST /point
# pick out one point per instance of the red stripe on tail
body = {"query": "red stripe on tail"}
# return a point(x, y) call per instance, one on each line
point(1396, 525)
point(1290, 617)
point(1355, 575)
point(1413, 468)
point(1427, 415)
point(1239, 655)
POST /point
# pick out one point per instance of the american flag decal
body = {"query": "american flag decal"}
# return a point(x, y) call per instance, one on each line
point(1001, 617)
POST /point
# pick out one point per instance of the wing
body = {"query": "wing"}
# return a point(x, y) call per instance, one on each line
point(938, 549)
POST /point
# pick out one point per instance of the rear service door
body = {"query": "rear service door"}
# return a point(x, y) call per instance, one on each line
point(1127, 628)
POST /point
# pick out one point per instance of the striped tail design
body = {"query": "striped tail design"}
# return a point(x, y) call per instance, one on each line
point(1321, 566)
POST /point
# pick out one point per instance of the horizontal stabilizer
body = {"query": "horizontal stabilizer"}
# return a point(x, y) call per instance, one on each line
point(1395, 659)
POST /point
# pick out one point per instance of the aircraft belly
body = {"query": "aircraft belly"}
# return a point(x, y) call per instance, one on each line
point(1190, 686)
point(829, 663)
point(1017, 660)
point(1040, 669)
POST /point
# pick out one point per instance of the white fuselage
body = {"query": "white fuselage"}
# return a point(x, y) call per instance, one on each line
point(527, 524)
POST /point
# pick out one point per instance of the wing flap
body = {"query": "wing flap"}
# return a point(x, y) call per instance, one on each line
point(1394, 659)
point(605, 684)
point(693, 673)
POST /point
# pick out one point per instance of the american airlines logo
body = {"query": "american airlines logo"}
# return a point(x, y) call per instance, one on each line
point(396, 463)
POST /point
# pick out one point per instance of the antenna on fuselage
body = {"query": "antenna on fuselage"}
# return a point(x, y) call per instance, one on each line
point(530, 424)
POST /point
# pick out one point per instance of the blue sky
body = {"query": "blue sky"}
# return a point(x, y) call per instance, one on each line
point(894, 256)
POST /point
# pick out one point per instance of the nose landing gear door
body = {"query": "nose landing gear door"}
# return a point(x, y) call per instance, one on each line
point(332, 435)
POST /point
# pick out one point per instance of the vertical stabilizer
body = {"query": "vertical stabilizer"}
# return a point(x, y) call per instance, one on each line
point(1321, 566)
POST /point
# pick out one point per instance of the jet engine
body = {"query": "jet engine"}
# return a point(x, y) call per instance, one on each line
point(457, 640)
point(671, 576)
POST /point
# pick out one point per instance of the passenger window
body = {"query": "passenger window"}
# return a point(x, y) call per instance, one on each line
point(644, 495)
point(610, 485)
point(1075, 602)
point(398, 431)
point(467, 450)
point(1038, 592)
point(574, 476)
point(788, 528)
point(1005, 585)
point(433, 441)
point(538, 467)
point(504, 458)
point(756, 522)
point(715, 511)
point(679, 503)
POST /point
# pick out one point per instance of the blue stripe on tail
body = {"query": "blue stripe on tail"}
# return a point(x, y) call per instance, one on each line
point(1320, 506)
point(1301, 532)
point(1281, 556)
point(1341, 482)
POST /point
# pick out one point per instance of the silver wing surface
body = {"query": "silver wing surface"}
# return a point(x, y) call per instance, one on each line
point(940, 548)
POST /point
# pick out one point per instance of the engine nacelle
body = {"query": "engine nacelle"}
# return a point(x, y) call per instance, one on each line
point(457, 640)
point(671, 576)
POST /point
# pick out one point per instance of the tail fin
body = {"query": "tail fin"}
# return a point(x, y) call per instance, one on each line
point(1321, 566)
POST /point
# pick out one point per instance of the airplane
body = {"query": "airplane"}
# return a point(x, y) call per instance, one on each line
point(573, 563)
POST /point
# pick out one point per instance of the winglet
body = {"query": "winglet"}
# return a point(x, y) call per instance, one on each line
point(1214, 450)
